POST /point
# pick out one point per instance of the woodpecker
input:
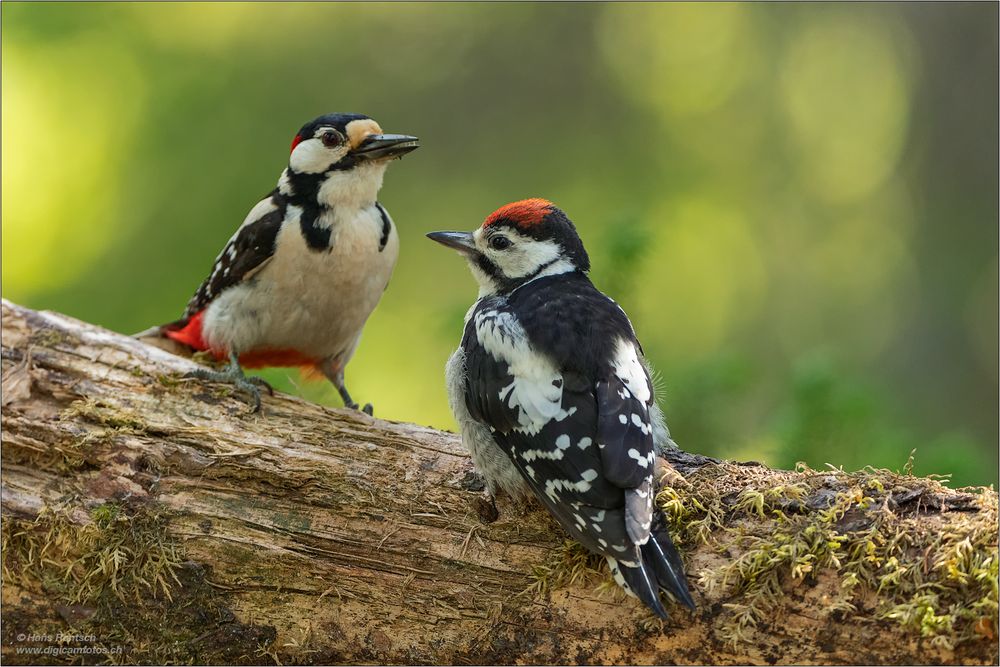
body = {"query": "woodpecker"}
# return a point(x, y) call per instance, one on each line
point(299, 278)
point(553, 396)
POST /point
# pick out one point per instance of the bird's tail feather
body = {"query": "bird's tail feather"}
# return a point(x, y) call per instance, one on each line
point(661, 554)
point(658, 567)
point(151, 332)
point(639, 582)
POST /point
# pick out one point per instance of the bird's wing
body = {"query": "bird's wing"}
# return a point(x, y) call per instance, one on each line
point(246, 253)
point(624, 396)
point(625, 431)
point(584, 434)
point(493, 343)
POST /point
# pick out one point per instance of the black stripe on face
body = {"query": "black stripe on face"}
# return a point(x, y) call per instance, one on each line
point(504, 284)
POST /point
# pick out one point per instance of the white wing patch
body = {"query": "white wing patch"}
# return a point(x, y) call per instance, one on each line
point(630, 371)
point(536, 389)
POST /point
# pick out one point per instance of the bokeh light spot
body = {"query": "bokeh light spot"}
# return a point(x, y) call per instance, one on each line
point(64, 134)
point(684, 59)
point(707, 277)
point(845, 90)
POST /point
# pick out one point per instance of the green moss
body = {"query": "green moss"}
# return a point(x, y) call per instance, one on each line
point(105, 414)
point(122, 564)
point(867, 528)
point(46, 337)
point(125, 554)
point(570, 563)
point(169, 381)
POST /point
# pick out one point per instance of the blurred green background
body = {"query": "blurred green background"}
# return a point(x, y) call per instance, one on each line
point(796, 203)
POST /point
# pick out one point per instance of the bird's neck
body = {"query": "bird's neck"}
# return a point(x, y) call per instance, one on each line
point(498, 284)
point(347, 189)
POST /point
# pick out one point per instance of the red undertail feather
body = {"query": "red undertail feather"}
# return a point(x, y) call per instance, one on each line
point(190, 333)
point(285, 358)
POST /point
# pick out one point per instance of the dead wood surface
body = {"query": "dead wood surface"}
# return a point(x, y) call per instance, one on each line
point(153, 516)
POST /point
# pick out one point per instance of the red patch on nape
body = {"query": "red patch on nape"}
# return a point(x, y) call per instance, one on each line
point(295, 142)
point(524, 213)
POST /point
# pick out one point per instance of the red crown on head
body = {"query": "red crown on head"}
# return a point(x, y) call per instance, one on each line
point(524, 213)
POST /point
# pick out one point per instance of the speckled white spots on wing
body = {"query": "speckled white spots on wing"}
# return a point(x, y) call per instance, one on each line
point(562, 443)
point(639, 458)
point(554, 486)
point(623, 419)
point(643, 426)
point(584, 443)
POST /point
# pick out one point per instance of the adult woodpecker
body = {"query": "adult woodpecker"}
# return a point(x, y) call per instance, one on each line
point(553, 397)
point(299, 278)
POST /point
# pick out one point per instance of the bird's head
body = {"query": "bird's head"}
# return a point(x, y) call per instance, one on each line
point(340, 158)
point(517, 243)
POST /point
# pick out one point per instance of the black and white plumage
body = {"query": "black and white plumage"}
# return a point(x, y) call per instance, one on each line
point(553, 396)
point(297, 281)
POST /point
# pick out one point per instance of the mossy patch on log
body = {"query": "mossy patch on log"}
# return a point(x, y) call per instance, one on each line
point(876, 530)
point(879, 531)
point(118, 576)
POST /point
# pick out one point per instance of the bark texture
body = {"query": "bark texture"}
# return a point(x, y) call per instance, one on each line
point(154, 518)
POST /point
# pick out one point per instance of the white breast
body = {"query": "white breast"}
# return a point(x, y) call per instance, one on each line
point(313, 301)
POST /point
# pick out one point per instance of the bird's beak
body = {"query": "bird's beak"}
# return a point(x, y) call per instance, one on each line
point(460, 241)
point(382, 146)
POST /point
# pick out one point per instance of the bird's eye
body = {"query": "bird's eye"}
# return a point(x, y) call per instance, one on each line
point(500, 242)
point(331, 138)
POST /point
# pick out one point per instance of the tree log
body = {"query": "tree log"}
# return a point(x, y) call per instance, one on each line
point(149, 517)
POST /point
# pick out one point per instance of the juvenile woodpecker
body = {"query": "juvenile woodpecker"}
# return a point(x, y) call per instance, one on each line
point(299, 278)
point(552, 395)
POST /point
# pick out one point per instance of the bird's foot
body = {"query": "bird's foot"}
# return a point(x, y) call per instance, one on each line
point(234, 376)
point(486, 508)
point(367, 409)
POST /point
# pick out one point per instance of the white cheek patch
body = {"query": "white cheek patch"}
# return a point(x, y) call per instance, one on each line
point(526, 256)
point(312, 157)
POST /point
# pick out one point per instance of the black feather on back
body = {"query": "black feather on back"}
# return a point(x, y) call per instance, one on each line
point(251, 246)
point(578, 329)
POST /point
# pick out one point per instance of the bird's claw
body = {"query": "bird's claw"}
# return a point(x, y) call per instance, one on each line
point(261, 382)
point(367, 409)
point(249, 385)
